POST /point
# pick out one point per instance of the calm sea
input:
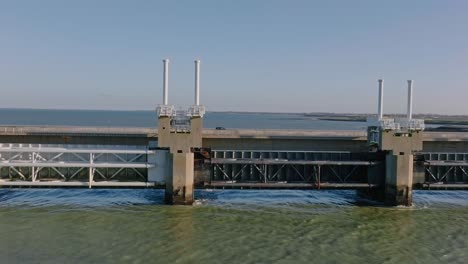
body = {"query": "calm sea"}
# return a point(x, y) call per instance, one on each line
point(234, 226)
point(149, 119)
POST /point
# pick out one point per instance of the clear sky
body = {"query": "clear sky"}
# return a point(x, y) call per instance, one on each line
point(281, 56)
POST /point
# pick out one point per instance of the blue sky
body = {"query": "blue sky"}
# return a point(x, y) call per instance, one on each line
point(280, 56)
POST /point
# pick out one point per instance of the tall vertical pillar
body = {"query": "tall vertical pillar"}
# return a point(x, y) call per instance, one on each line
point(180, 132)
point(399, 147)
point(179, 182)
point(397, 140)
point(399, 179)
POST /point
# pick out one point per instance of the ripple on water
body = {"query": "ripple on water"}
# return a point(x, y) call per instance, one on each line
point(254, 226)
point(79, 197)
point(235, 198)
point(435, 199)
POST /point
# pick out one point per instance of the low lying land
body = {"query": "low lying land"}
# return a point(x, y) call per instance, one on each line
point(456, 123)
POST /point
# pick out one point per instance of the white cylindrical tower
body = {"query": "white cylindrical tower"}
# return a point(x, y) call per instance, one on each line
point(166, 82)
point(380, 109)
point(409, 114)
point(197, 82)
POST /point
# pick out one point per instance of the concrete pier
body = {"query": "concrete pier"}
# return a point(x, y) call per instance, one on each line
point(180, 132)
point(399, 147)
point(398, 143)
point(180, 139)
point(179, 181)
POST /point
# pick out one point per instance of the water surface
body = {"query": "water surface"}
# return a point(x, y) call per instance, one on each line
point(102, 118)
point(231, 226)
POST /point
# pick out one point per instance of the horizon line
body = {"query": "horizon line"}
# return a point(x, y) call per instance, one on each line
point(224, 111)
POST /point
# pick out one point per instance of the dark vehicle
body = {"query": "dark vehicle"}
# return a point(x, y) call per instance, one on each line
point(220, 128)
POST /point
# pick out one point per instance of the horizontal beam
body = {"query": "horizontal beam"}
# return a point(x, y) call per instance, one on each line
point(445, 186)
point(76, 184)
point(73, 150)
point(281, 151)
point(213, 133)
point(446, 163)
point(282, 185)
point(134, 165)
point(290, 162)
point(77, 130)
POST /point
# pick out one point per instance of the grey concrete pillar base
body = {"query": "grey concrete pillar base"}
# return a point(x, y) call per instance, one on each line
point(179, 182)
point(178, 197)
point(399, 146)
point(398, 196)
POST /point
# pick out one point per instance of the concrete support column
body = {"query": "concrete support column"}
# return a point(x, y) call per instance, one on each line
point(180, 176)
point(398, 148)
point(179, 182)
point(399, 179)
point(180, 142)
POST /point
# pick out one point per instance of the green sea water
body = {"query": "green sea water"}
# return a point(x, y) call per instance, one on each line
point(232, 226)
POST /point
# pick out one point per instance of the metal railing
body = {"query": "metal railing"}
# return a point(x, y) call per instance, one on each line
point(72, 164)
point(165, 110)
point(51, 130)
point(196, 111)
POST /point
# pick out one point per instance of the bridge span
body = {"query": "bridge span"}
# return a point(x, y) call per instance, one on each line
point(234, 139)
point(100, 157)
point(391, 157)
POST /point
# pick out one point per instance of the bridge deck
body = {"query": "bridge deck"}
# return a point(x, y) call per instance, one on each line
point(213, 133)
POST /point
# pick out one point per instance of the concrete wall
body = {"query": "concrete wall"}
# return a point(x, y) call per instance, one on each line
point(78, 139)
point(284, 144)
point(445, 146)
point(228, 139)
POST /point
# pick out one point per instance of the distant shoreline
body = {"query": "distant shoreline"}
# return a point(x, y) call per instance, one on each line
point(448, 123)
point(330, 116)
point(427, 121)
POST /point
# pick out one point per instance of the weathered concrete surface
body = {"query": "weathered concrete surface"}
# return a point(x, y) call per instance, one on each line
point(399, 180)
point(399, 148)
point(252, 139)
point(401, 143)
point(320, 140)
point(213, 133)
point(179, 181)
